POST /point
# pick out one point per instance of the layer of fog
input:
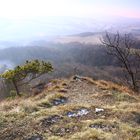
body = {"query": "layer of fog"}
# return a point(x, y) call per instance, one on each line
point(22, 31)
point(40, 31)
point(5, 65)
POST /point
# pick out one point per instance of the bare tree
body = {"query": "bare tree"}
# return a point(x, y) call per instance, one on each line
point(122, 47)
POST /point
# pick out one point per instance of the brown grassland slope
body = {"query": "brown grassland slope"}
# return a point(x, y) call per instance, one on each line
point(78, 108)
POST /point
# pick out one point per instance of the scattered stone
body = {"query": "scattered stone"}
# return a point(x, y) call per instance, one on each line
point(58, 101)
point(97, 110)
point(71, 114)
point(51, 120)
point(82, 112)
point(62, 131)
point(77, 78)
point(78, 113)
point(54, 102)
point(35, 138)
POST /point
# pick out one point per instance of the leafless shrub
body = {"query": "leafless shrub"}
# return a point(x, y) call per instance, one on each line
point(122, 47)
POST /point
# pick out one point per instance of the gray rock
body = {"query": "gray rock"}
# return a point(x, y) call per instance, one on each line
point(61, 100)
point(102, 126)
point(77, 78)
point(78, 113)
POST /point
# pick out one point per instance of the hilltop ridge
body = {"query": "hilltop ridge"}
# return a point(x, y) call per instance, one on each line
point(78, 108)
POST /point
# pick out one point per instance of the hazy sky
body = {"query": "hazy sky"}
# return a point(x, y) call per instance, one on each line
point(79, 8)
point(21, 19)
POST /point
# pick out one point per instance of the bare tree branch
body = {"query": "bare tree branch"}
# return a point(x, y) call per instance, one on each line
point(122, 48)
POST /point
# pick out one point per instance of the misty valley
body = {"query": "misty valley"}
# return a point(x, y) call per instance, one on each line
point(69, 56)
point(70, 70)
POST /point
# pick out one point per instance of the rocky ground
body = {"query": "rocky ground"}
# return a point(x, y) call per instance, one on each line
point(78, 108)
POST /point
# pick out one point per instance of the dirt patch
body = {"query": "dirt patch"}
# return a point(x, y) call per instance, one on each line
point(61, 131)
point(137, 117)
point(38, 137)
point(134, 117)
point(12, 134)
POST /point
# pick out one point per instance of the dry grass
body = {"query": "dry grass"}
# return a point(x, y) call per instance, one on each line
point(107, 85)
point(20, 118)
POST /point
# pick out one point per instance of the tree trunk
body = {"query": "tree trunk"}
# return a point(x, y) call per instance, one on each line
point(134, 83)
point(16, 88)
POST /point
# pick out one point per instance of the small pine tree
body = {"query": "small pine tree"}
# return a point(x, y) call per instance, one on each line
point(29, 71)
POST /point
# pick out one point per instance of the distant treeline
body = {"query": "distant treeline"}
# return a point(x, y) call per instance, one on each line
point(67, 59)
point(93, 55)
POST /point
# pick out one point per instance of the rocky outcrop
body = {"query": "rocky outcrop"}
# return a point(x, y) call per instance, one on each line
point(5, 88)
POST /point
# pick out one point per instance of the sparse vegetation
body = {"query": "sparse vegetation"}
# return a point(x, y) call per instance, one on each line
point(24, 118)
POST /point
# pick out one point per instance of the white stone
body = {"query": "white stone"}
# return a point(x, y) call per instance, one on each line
point(79, 113)
point(82, 112)
point(99, 110)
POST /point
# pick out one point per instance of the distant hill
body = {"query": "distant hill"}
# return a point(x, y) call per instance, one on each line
point(7, 44)
point(85, 38)
point(86, 34)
